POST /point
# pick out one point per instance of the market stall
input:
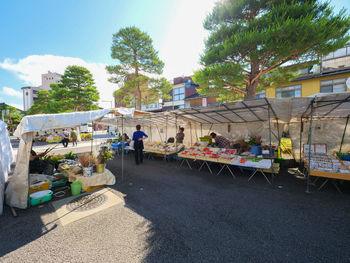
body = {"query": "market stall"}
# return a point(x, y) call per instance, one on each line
point(240, 113)
point(260, 117)
point(18, 187)
point(6, 159)
point(320, 163)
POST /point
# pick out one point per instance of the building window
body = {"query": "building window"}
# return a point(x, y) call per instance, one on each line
point(333, 85)
point(179, 93)
point(289, 92)
point(179, 107)
point(260, 95)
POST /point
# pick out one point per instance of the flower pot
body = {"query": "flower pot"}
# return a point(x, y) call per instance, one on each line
point(100, 168)
point(87, 171)
point(256, 149)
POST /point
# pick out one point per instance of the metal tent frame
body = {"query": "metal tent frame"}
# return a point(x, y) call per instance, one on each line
point(323, 107)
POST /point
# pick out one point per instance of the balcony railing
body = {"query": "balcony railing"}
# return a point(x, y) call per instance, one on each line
point(335, 64)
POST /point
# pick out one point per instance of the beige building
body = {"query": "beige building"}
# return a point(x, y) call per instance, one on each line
point(48, 79)
point(30, 94)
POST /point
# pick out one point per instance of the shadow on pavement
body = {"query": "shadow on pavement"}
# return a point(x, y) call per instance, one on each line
point(18, 231)
point(199, 217)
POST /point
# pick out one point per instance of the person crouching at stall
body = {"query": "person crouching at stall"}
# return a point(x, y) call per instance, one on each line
point(220, 141)
point(65, 138)
point(137, 137)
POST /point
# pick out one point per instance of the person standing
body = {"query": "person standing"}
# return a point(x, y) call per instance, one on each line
point(180, 135)
point(74, 136)
point(137, 137)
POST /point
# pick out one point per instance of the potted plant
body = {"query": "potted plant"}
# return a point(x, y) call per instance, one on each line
point(255, 143)
point(104, 156)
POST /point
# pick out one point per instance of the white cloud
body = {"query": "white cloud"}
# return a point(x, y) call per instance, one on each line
point(30, 69)
point(18, 106)
point(11, 92)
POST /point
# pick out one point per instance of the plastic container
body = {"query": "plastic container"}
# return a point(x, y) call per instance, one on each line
point(87, 171)
point(40, 197)
point(61, 182)
point(40, 186)
point(100, 168)
point(346, 157)
point(256, 149)
point(76, 188)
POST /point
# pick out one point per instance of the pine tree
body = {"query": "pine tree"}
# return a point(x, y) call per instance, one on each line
point(136, 56)
point(76, 92)
point(251, 40)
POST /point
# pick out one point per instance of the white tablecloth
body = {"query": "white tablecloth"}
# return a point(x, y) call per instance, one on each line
point(263, 164)
point(96, 179)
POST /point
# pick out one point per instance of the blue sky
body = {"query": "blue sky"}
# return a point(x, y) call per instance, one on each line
point(41, 35)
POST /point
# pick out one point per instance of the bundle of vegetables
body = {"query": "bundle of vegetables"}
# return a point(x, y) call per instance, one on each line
point(53, 158)
point(86, 136)
point(70, 156)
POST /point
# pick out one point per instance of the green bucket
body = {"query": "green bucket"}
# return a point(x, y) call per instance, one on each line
point(75, 188)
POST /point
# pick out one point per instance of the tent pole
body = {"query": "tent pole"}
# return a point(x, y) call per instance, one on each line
point(270, 148)
point(300, 141)
point(191, 132)
point(159, 133)
point(342, 139)
point(92, 137)
point(201, 130)
point(176, 129)
point(150, 131)
point(310, 143)
point(122, 150)
point(166, 129)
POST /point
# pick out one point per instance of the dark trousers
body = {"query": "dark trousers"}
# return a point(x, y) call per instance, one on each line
point(74, 141)
point(65, 142)
point(138, 146)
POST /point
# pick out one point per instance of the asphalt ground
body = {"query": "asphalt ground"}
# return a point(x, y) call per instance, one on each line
point(176, 214)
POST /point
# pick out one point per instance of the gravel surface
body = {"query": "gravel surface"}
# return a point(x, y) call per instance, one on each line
point(176, 214)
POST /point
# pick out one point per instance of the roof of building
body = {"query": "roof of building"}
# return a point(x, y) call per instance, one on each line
point(321, 75)
point(198, 96)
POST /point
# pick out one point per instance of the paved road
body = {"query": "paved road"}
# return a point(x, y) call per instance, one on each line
point(175, 214)
point(84, 146)
point(97, 137)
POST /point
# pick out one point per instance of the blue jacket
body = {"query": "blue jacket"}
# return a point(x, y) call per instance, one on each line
point(138, 134)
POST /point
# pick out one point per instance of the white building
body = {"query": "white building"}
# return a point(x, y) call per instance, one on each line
point(30, 94)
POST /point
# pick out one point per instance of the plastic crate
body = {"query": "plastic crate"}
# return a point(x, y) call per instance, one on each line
point(40, 186)
point(59, 183)
point(40, 197)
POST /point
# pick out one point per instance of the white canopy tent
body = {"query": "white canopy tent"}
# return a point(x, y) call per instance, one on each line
point(18, 187)
point(6, 159)
point(259, 117)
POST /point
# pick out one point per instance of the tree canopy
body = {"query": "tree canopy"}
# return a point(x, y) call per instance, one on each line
point(136, 59)
point(75, 92)
point(13, 118)
point(250, 41)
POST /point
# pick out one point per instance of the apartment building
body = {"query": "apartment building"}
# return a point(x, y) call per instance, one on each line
point(332, 75)
point(30, 94)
